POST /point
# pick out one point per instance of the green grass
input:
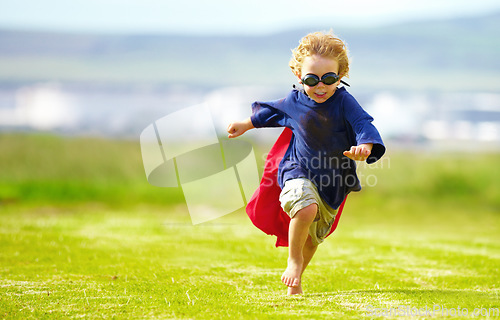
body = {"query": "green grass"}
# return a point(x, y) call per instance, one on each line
point(47, 169)
point(404, 242)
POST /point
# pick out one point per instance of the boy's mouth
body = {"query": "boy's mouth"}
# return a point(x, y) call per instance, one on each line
point(320, 94)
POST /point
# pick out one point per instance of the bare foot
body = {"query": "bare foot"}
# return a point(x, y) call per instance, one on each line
point(295, 290)
point(291, 276)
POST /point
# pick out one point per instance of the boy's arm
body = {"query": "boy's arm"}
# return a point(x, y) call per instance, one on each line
point(359, 153)
point(237, 128)
point(366, 135)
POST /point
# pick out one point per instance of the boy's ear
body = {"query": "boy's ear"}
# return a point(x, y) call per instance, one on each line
point(340, 78)
point(299, 77)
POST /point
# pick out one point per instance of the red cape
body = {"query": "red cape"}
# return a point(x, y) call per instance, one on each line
point(264, 208)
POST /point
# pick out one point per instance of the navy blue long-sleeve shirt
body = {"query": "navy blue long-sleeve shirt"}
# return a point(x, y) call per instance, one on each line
point(321, 133)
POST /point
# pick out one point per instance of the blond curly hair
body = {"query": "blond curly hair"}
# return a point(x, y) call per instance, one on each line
point(322, 44)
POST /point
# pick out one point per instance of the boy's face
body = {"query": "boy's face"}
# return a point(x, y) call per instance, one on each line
point(319, 66)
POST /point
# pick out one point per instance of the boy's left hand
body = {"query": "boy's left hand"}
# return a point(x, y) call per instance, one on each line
point(359, 153)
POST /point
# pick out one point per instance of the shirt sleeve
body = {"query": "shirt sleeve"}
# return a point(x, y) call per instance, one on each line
point(265, 114)
point(364, 131)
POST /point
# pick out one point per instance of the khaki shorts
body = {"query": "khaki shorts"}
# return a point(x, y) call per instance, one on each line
point(300, 193)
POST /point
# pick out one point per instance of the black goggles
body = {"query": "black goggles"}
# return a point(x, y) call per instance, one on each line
point(329, 78)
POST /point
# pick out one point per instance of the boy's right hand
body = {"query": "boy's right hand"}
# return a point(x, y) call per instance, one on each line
point(236, 129)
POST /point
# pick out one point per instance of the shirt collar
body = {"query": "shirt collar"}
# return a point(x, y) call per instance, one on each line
point(306, 100)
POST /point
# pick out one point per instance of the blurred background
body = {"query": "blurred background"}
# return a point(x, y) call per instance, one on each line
point(80, 80)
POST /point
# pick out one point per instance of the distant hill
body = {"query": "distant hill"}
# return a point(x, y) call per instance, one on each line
point(446, 55)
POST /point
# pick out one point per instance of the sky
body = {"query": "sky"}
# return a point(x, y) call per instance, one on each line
point(224, 16)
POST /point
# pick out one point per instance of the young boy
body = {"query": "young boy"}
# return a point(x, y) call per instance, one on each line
point(330, 130)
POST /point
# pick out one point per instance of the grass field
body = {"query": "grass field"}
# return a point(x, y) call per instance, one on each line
point(83, 235)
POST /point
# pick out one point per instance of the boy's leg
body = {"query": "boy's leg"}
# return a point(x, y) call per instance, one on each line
point(298, 233)
point(307, 253)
